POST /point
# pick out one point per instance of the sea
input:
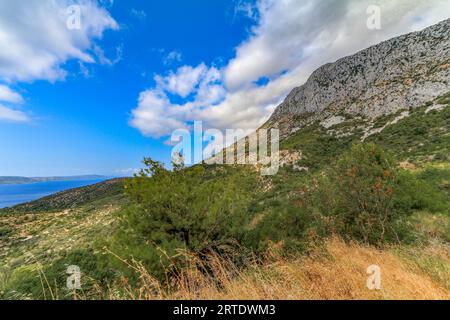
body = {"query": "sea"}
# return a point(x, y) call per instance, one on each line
point(14, 194)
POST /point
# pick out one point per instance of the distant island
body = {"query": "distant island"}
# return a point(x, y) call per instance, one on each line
point(28, 180)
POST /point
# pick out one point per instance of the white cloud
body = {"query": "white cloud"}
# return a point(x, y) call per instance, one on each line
point(290, 40)
point(247, 8)
point(306, 34)
point(107, 3)
point(7, 114)
point(157, 116)
point(126, 172)
point(155, 108)
point(8, 95)
point(35, 40)
point(183, 81)
point(171, 57)
point(103, 59)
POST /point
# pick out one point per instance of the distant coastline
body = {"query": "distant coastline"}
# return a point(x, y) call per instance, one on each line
point(28, 180)
point(20, 193)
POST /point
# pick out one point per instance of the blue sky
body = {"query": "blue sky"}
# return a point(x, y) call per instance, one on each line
point(81, 125)
point(99, 99)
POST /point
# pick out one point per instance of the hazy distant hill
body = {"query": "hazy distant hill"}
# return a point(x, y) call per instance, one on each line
point(111, 190)
point(25, 180)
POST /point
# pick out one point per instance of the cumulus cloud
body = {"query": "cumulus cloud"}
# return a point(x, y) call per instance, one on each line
point(289, 41)
point(183, 81)
point(155, 107)
point(306, 34)
point(201, 84)
point(35, 42)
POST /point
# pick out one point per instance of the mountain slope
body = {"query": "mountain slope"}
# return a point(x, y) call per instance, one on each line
point(421, 135)
point(401, 73)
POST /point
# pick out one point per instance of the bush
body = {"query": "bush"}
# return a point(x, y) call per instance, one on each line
point(418, 193)
point(194, 209)
point(363, 195)
point(292, 226)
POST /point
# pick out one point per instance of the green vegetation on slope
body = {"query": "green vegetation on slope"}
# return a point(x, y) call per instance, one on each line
point(317, 146)
point(421, 137)
point(48, 235)
point(352, 189)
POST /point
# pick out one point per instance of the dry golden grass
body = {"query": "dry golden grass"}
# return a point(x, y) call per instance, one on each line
point(337, 271)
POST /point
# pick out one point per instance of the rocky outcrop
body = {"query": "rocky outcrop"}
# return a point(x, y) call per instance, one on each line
point(404, 72)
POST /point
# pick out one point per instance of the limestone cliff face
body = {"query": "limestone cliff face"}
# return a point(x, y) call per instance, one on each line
point(404, 72)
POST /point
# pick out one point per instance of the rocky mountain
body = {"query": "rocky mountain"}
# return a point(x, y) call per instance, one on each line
point(402, 73)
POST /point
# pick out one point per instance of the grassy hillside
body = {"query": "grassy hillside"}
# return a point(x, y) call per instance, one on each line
point(226, 232)
point(335, 270)
point(422, 136)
